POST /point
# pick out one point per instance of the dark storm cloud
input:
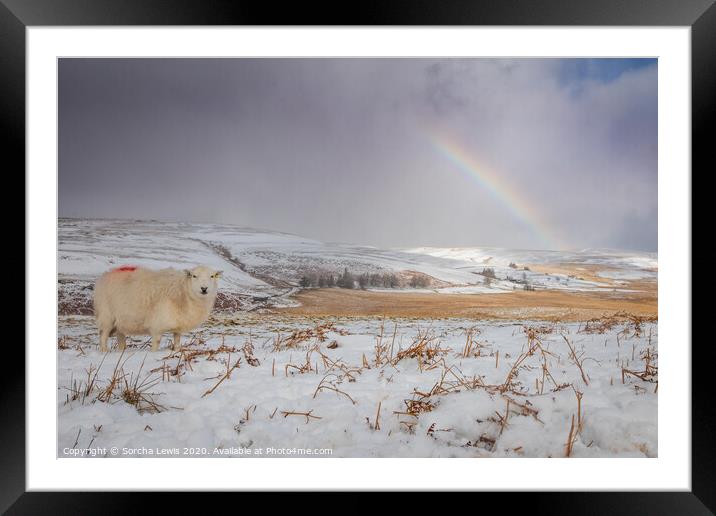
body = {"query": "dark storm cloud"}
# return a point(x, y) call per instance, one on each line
point(340, 149)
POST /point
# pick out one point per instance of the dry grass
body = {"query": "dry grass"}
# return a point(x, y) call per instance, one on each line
point(299, 337)
point(190, 353)
point(133, 389)
point(633, 323)
point(425, 348)
point(82, 390)
point(472, 348)
point(547, 305)
point(383, 351)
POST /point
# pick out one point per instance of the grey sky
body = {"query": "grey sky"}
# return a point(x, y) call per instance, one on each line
point(344, 149)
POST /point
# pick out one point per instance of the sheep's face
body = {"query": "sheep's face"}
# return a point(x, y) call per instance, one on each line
point(202, 281)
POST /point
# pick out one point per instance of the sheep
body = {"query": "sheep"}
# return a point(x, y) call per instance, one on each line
point(139, 301)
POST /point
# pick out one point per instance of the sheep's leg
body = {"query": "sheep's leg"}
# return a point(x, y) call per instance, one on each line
point(156, 340)
point(121, 341)
point(103, 336)
point(177, 341)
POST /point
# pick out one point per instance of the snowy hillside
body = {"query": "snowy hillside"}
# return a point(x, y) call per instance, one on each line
point(263, 268)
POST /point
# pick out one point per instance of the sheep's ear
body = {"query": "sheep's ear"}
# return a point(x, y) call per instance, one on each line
point(187, 272)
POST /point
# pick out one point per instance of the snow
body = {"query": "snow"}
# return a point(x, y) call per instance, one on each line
point(267, 265)
point(245, 412)
point(626, 274)
point(88, 248)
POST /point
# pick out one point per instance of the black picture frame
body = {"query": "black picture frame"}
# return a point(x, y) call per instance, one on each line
point(700, 15)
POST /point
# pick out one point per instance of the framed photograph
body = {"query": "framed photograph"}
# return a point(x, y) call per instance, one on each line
point(438, 248)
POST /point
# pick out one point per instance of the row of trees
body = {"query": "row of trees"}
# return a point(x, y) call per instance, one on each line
point(317, 280)
point(365, 280)
point(489, 276)
point(391, 280)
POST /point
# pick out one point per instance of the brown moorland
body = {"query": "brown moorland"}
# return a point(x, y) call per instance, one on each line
point(637, 298)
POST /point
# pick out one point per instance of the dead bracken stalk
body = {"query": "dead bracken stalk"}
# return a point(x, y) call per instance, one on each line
point(650, 373)
point(327, 385)
point(472, 347)
point(380, 348)
point(525, 409)
point(117, 374)
point(308, 415)
point(416, 407)
point(392, 341)
point(575, 431)
point(226, 375)
point(579, 395)
point(534, 345)
point(642, 375)
point(577, 359)
point(330, 365)
point(383, 351)
point(248, 350)
point(571, 439)
point(307, 366)
point(377, 417)
point(248, 411)
point(500, 419)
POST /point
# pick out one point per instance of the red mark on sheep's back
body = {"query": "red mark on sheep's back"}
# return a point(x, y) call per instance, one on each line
point(126, 268)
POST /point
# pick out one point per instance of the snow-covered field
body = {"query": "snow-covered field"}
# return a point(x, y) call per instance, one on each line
point(364, 388)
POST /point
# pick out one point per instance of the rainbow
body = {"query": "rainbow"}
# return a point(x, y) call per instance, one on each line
point(517, 204)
